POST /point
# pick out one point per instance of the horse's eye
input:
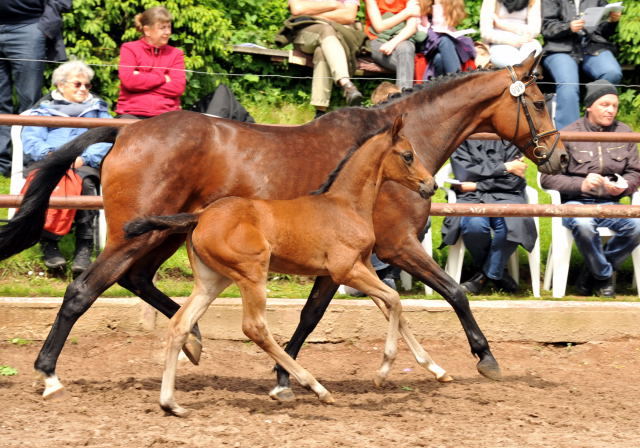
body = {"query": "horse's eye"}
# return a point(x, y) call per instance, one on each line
point(408, 157)
point(539, 105)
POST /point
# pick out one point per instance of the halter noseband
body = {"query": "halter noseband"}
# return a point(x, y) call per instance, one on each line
point(540, 151)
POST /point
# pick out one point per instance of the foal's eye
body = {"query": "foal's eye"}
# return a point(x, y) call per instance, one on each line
point(408, 157)
point(539, 105)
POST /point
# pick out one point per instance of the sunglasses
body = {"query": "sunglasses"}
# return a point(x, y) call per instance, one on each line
point(78, 84)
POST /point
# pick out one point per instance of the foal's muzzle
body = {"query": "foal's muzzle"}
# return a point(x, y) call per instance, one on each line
point(427, 189)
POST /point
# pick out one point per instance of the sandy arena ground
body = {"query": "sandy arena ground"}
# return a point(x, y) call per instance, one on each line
point(579, 396)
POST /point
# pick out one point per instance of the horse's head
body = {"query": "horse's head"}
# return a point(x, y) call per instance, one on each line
point(531, 127)
point(402, 164)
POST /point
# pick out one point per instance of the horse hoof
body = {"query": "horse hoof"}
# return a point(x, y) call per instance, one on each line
point(282, 394)
point(53, 388)
point(446, 378)
point(489, 368)
point(327, 398)
point(378, 381)
point(193, 349)
point(176, 410)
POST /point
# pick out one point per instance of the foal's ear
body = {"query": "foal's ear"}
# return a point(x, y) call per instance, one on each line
point(398, 124)
point(531, 64)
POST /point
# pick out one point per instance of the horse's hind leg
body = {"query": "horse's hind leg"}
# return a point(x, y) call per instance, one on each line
point(319, 298)
point(421, 355)
point(139, 280)
point(208, 285)
point(79, 296)
point(254, 325)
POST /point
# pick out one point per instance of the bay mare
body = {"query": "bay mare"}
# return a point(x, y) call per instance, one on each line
point(329, 233)
point(181, 161)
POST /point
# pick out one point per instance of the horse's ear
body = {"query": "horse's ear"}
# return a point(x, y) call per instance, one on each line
point(530, 64)
point(398, 124)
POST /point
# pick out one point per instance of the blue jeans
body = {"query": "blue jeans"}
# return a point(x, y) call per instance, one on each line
point(566, 74)
point(603, 261)
point(400, 61)
point(489, 253)
point(19, 41)
point(446, 60)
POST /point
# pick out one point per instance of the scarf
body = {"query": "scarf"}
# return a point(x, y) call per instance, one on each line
point(515, 5)
point(67, 107)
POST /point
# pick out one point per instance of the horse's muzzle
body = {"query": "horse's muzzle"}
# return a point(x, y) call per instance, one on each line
point(427, 189)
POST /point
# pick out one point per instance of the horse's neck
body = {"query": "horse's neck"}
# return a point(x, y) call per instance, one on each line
point(440, 118)
point(358, 182)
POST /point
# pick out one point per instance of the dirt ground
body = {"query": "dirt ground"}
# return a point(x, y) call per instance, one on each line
point(552, 396)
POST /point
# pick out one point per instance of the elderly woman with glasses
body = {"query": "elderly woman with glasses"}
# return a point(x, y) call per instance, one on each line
point(70, 98)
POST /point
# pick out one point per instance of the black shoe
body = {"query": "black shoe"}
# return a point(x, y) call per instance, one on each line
point(82, 258)
point(507, 284)
point(605, 288)
point(319, 113)
point(351, 94)
point(53, 259)
point(584, 284)
point(475, 284)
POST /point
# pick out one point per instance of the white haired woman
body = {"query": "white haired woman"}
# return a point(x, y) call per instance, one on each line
point(70, 98)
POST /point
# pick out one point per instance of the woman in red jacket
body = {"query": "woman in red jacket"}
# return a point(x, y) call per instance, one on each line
point(152, 76)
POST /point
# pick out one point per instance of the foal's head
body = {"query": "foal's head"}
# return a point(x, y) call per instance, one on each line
point(402, 165)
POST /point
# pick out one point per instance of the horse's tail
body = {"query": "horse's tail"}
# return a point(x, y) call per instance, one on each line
point(180, 223)
point(25, 228)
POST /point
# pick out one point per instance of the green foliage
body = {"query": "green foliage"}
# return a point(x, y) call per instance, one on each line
point(20, 341)
point(8, 371)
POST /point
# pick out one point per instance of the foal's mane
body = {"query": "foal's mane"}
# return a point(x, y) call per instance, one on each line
point(336, 171)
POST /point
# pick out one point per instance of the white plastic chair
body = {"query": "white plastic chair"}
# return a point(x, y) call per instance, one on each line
point(559, 257)
point(456, 252)
point(18, 180)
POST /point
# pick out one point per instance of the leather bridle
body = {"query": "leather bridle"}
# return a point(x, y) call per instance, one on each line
point(540, 151)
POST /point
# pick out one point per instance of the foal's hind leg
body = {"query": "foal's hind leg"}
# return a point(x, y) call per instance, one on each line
point(139, 280)
point(254, 325)
point(421, 355)
point(208, 284)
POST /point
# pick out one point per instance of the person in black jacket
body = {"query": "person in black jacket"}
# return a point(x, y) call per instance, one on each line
point(490, 172)
point(30, 32)
point(571, 46)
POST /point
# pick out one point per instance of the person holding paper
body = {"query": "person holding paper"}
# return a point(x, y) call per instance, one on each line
point(599, 173)
point(510, 28)
point(491, 172)
point(571, 47)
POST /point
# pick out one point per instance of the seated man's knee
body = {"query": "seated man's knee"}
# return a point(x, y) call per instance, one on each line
point(476, 226)
point(583, 226)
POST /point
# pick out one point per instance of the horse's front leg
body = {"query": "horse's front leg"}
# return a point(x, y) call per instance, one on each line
point(410, 256)
point(321, 294)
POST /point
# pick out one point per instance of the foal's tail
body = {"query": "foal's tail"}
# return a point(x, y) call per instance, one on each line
point(25, 228)
point(180, 223)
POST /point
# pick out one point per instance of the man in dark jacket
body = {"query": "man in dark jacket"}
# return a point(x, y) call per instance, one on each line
point(491, 172)
point(571, 46)
point(30, 32)
point(599, 173)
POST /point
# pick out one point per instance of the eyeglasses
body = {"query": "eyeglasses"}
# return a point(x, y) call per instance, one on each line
point(78, 84)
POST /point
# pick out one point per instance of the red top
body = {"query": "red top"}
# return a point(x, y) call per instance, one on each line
point(148, 93)
point(393, 6)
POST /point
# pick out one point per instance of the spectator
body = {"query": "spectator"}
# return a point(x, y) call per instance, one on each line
point(491, 172)
point(591, 178)
point(328, 30)
point(510, 27)
point(398, 52)
point(224, 104)
point(570, 47)
point(70, 98)
point(444, 48)
point(151, 72)
point(30, 32)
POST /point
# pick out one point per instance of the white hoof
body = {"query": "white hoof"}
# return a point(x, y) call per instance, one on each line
point(282, 394)
point(176, 410)
point(53, 388)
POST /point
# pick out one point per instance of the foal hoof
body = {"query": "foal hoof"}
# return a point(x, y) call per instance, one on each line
point(489, 368)
point(282, 394)
point(326, 398)
point(446, 378)
point(193, 349)
point(378, 380)
point(176, 410)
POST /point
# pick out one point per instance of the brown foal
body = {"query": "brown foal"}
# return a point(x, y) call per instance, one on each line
point(328, 233)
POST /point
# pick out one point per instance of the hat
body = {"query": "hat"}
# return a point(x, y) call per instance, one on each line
point(596, 89)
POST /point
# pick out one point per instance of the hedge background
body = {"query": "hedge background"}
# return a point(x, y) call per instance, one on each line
point(206, 30)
